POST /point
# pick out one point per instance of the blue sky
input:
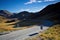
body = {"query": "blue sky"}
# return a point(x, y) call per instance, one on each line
point(25, 5)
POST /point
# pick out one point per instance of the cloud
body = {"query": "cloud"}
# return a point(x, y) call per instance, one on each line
point(38, 1)
point(30, 2)
point(48, 0)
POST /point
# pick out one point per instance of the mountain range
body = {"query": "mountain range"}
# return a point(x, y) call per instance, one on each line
point(49, 15)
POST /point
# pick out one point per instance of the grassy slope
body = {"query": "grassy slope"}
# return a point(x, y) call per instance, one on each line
point(52, 33)
point(6, 26)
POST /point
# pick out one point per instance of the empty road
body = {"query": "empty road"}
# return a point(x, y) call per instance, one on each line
point(22, 34)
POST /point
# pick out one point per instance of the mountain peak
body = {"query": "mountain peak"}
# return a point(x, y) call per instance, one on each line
point(24, 12)
point(5, 13)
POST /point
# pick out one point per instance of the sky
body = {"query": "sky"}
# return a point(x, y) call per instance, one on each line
point(16, 6)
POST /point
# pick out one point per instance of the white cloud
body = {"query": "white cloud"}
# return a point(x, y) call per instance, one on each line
point(39, 1)
point(48, 0)
point(30, 2)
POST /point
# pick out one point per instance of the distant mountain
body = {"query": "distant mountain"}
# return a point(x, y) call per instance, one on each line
point(24, 15)
point(5, 13)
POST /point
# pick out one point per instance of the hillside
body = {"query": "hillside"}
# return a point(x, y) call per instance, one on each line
point(6, 26)
point(2, 23)
point(53, 33)
point(50, 12)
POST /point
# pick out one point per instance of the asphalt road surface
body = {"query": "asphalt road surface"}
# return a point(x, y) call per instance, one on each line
point(22, 34)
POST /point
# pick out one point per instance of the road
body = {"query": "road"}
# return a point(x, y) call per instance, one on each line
point(22, 34)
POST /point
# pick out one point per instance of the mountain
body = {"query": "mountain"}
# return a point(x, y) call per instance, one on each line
point(24, 15)
point(5, 13)
point(51, 12)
